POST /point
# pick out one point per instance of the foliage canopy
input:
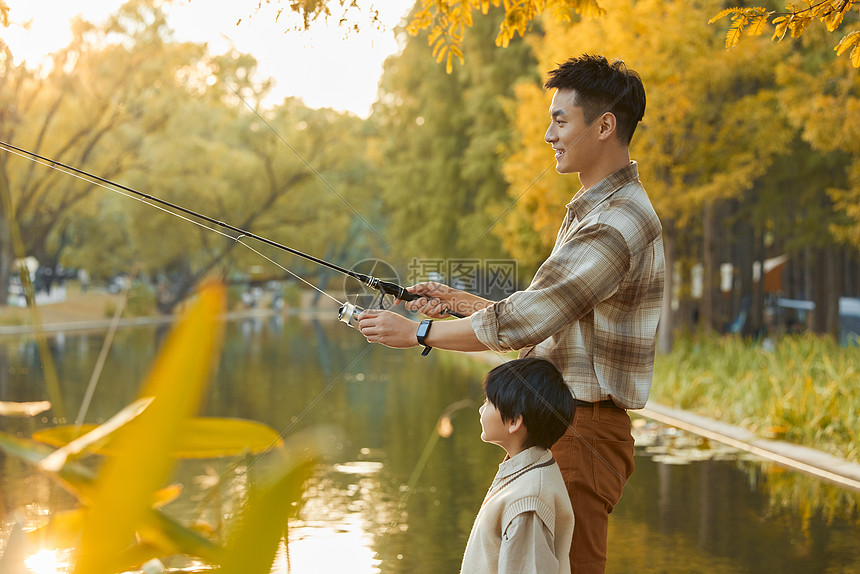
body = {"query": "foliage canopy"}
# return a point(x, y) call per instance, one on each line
point(754, 21)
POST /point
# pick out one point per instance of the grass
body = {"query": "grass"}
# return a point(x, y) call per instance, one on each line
point(802, 389)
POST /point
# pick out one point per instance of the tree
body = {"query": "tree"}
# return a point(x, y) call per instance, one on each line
point(276, 172)
point(753, 21)
point(90, 110)
point(442, 140)
point(820, 97)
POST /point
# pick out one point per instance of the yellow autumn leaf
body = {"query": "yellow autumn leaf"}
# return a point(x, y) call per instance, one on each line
point(847, 42)
point(736, 30)
point(780, 28)
point(757, 25)
point(723, 13)
point(129, 480)
point(833, 20)
point(92, 436)
point(201, 437)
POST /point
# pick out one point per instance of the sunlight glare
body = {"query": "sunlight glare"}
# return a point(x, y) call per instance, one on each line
point(317, 66)
point(344, 548)
point(46, 562)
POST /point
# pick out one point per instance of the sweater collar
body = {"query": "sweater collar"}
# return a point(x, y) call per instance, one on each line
point(528, 457)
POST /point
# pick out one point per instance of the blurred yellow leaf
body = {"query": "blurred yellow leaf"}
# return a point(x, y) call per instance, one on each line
point(142, 464)
point(201, 437)
point(92, 437)
point(254, 541)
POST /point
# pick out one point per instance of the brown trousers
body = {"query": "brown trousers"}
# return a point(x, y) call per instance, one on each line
point(596, 459)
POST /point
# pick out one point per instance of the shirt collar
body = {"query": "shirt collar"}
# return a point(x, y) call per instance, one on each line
point(521, 460)
point(587, 199)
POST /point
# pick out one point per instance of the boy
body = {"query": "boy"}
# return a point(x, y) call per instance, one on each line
point(526, 522)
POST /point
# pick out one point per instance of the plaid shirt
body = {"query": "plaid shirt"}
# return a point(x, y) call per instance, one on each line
point(593, 306)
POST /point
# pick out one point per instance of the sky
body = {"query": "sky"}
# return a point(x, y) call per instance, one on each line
point(314, 66)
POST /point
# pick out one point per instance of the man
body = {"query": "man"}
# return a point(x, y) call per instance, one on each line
point(593, 306)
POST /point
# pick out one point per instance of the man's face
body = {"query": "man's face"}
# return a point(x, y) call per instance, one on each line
point(568, 134)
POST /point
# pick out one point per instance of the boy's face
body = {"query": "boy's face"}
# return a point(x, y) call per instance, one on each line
point(493, 428)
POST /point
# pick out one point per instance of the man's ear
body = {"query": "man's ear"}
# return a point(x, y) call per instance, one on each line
point(607, 124)
point(515, 424)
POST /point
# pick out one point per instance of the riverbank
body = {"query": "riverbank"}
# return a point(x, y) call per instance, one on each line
point(93, 311)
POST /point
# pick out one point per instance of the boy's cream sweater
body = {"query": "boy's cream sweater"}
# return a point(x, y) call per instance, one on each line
point(525, 523)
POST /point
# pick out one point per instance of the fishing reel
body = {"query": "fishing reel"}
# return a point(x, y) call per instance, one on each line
point(362, 285)
point(348, 313)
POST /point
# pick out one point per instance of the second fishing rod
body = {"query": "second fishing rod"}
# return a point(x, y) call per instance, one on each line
point(348, 312)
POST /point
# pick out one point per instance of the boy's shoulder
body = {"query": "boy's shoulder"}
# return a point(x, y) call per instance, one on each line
point(537, 487)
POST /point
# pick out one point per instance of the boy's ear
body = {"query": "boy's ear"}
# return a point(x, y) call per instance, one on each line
point(515, 424)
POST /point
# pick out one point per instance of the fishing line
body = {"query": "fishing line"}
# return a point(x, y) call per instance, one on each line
point(348, 312)
point(116, 188)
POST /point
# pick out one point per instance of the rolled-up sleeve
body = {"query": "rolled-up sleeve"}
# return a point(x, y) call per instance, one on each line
point(578, 275)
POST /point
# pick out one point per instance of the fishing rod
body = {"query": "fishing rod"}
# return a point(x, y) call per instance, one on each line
point(348, 312)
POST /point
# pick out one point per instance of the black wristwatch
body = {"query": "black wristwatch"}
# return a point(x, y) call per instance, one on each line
point(423, 329)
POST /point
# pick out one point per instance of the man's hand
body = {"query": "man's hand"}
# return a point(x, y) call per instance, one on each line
point(437, 300)
point(388, 328)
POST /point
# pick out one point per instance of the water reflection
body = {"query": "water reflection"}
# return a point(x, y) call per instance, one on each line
point(691, 505)
point(342, 511)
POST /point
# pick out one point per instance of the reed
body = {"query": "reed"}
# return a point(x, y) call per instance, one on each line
point(803, 389)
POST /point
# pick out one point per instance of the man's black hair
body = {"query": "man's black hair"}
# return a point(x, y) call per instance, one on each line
point(603, 87)
point(534, 389)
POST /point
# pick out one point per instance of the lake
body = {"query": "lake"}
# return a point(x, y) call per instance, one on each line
point(394, 496)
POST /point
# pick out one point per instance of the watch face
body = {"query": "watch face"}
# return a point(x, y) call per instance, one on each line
point(422, 330)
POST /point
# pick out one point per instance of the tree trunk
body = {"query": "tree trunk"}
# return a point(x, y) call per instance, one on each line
point(756, 315)
point(7, 253)
point(666, 325)
point(709, 256)
point(826, 290)
point(744, 284)
point(834, 289)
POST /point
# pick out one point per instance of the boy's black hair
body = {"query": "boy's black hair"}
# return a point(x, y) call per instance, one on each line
point(602, 87)
point(534, 389)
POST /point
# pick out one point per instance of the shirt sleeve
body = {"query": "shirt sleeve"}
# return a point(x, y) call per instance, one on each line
point(582, 272)
point(527, 547)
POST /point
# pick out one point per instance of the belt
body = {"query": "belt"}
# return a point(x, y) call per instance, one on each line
point(608, 403)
